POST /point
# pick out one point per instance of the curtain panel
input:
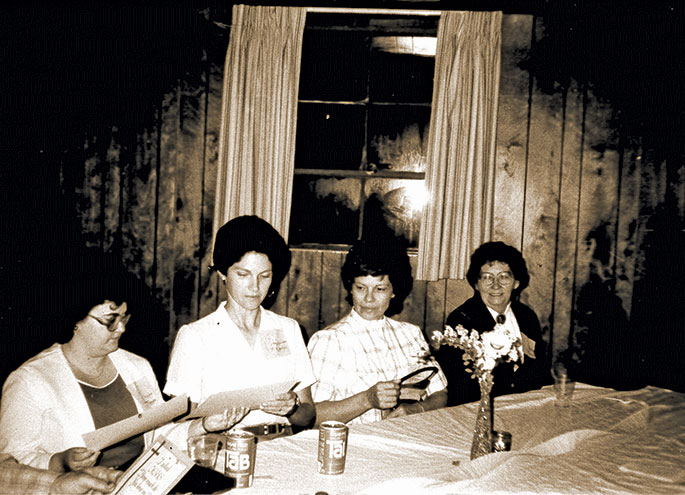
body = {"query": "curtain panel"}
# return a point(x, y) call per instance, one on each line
point(259, 115)
point(461, 143)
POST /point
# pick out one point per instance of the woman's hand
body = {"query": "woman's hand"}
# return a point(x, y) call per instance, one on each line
point(91, 481)
point(225, 420)
point(74, 459)
point(383, 395)
point(405, 410)
point(282, 405)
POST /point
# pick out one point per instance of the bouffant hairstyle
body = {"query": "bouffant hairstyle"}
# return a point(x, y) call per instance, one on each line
point(246, 234)
point(490, 252)
point(378, 257)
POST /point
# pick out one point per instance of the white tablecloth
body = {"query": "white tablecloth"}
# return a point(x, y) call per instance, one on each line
point(607, 442)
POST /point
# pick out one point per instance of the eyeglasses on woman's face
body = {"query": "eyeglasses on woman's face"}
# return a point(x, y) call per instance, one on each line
point(505, 279)
point(112, 322)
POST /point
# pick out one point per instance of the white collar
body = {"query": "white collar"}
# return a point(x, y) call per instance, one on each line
point(366, 324)
point(507, 312)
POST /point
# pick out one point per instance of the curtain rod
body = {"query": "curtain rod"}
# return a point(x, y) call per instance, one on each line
point(341, 10)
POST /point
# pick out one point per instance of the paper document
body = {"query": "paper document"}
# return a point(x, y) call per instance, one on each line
point(248, 397)
point(145, 421)
point(155, 472)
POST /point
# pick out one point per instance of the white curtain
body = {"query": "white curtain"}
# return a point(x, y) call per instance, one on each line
point(461, 143)
point(259, 115)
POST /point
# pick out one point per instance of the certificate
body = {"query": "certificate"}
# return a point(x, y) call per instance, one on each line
point(155, 472)
point(247, 397)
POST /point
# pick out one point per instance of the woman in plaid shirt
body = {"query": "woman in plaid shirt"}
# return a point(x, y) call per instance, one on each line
point(359, 360)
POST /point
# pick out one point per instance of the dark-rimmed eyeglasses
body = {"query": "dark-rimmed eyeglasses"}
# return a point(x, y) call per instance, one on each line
point(112, 322)
point(505, 279)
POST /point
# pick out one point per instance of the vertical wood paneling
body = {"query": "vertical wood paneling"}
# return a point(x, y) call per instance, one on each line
point(280, 306)
point(435, 305)
point(560, 189)
point(512, 131)
point(457, 291)
point(599, 186)
point(165, 257)
point(627, 228)
point(567, 228)
point(111, 192)
point(90, 195)
point(188, 198)
point(138, 196)
point(414, 305)
point(209, 283)
point(304, 289)
point(542, 195)
point(333, 304)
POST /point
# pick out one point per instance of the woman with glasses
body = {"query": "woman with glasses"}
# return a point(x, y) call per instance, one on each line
point(70, 389)
point(498, 275)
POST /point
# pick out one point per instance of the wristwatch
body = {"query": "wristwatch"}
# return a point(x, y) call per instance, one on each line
point(298, 403)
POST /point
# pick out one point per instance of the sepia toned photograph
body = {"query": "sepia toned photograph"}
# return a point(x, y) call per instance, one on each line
point(402, 246)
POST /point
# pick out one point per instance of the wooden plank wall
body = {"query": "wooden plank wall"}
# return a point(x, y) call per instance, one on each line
point(566, 195)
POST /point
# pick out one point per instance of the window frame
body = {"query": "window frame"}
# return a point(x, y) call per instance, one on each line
point(367, 170)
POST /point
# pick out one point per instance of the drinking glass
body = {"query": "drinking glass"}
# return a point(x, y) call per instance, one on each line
point(202, 449)
point(563, 386)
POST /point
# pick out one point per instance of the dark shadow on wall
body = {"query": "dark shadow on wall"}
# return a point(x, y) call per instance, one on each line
point(602, 340)
point(604, 347)
point(658, 314)
point(613, 350)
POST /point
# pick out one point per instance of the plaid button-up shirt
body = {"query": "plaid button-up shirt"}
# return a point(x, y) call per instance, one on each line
point(354, 354)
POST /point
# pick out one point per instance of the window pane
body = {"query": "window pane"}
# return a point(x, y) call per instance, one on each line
point(334, 66)
point(398, 137)
point(324, 210)
point(330, 136)
point(401, 78)
point(396, 204)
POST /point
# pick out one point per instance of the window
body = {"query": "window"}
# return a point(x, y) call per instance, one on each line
point(364, 109)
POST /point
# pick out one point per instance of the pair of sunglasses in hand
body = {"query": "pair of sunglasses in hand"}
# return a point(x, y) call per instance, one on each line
point(418, 376)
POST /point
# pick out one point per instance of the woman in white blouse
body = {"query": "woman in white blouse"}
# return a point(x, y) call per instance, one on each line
point(242, 345)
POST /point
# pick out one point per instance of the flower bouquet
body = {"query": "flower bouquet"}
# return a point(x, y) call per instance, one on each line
point(482, 352)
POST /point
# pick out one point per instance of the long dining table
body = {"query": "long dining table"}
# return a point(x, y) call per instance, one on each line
point(607, 441)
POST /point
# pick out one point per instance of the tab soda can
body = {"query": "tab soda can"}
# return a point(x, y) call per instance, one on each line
point(332, 447)
point(501, 441)
point(240, 452)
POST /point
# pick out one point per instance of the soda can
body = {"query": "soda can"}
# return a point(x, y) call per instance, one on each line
point(501, 441)
point(332, 447)
point(240, 450)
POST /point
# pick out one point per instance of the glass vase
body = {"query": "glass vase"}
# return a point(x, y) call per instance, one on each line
point(482, 432)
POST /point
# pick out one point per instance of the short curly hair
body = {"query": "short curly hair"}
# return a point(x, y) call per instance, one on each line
point(490, 252)
point(248, 233)
point(381, 256)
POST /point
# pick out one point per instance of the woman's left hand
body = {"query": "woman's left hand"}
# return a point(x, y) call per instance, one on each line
point(74, 459)
point(282, 405)
point(405, 410)
point(225, 420)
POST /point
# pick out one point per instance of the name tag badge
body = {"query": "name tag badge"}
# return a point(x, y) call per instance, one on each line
point(274, 343)
point(528, 346)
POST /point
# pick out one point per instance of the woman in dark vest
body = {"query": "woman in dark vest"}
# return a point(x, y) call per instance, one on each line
point(498, 275)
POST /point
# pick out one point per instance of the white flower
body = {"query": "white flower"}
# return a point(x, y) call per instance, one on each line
point(482, 352)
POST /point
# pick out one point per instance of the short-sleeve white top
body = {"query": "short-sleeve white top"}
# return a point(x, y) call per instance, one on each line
point(211, 355)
